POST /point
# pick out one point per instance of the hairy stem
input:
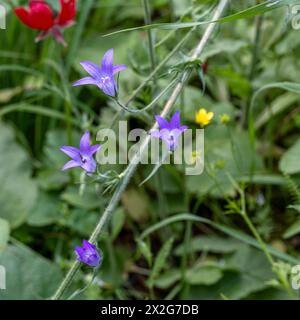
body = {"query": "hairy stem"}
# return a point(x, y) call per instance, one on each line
point(137, 157)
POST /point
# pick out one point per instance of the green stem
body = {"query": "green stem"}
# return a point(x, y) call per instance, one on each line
point(258, 238)
point(172, 10)
point(253, 68)
point(137, 157)
point(148, 21)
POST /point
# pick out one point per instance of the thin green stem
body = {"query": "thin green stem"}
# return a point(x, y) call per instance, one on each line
point(258, 238)
point(148, 21)
point(253, 68)
point(137, 157)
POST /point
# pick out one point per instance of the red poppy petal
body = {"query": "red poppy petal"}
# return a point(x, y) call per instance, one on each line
point(23, 15)
point(67, 13)
point(41, 15)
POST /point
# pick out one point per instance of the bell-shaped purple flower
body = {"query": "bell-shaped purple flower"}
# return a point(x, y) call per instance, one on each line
point(169, 131)
point(82, 157)
point(102, 76)
point(88, 254)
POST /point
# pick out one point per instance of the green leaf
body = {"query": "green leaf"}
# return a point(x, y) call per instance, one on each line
point(4, 234)
point(295, 207)
point(89, 200)
point(25, 107)
point(252, 273)
point(209, 243)
point(80, 220)
point(288, 86)
point(145, 250)
point(29, 275)
point(221, 47)
point(289, 162)
point(18, 189)
point(206, 275)
point(45, 212)
point(168, 279)
point(292, 230)
point(160, 261)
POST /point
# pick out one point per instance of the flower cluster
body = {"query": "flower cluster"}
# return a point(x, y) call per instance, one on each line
point(40, 16)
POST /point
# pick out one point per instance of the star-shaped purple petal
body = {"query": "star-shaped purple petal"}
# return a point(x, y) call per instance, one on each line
point(169, 131)
point(102, 76)
point(82, 157)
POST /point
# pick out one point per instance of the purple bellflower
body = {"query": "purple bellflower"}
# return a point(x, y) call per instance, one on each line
point(169, 132)
point(103, 76)
point(82, 157)
point(88, 254)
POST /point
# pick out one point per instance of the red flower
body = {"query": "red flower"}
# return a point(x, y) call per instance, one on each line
point(40, 16)
point(67, 14)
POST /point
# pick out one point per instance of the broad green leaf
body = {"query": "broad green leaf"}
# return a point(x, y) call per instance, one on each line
point(18, 189)
point(28, 275)
point(160, 261)
point(4, 234)
point(45, 212)
point(222, 46)
point(89, 200)
point(168, 279)
point(206, 275)
point(289, 162)
point(52, 179)
point(80, 220)
point(253, 272)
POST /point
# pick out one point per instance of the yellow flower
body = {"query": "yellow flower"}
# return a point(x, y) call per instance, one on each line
point(203, 117)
